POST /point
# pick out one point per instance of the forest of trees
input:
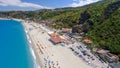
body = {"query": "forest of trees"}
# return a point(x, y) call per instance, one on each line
point(102, 25)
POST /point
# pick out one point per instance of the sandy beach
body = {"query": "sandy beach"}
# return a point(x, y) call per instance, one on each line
point(47, 54)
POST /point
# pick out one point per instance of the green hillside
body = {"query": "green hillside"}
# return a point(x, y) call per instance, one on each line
point(106, 28)
point(102, 24)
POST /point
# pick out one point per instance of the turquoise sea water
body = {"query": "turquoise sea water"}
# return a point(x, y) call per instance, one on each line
point(14, 48)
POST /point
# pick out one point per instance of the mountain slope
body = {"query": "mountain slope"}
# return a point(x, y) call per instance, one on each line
point(102, 25)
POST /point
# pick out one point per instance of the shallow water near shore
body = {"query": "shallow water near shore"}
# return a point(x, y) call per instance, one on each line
point(14, 47)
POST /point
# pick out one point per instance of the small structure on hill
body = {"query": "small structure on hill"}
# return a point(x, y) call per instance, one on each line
point(66, 30)
point(76, 36)
point(110, 57)
point(87, 41)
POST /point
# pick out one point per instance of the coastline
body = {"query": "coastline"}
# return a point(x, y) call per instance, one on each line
point(34, 54)
point(43, 51)
point(37, 62)
point(18, 53)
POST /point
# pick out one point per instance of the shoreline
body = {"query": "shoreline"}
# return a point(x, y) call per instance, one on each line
point(45, 49)
point(33, 52)
point(32, 48)
point(19, 50)
point(44, 53)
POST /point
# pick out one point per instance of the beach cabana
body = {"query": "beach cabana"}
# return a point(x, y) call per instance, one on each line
point(56, 40)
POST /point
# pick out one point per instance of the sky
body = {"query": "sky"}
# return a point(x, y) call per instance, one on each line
point(9, 5)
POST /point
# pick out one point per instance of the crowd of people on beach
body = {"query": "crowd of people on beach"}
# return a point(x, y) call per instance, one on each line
point(49, 63)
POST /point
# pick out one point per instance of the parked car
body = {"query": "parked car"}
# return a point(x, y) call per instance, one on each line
point(71, 48)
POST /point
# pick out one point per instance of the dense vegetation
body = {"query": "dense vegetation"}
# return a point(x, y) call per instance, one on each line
point(99, 22)
point(102, 25)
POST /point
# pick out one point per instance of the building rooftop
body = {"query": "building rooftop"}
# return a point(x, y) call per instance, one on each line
point(101, 51)
point(66, 30)
point(56, 40)
point(87, 41)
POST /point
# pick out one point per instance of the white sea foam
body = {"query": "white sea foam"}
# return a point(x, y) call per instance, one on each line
point(30, 41)
point(36, 65)
point(27, 37)
point(26, 31)
point(33, 54)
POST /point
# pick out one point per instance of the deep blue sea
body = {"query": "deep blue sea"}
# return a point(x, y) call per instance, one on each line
point(14, 48)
